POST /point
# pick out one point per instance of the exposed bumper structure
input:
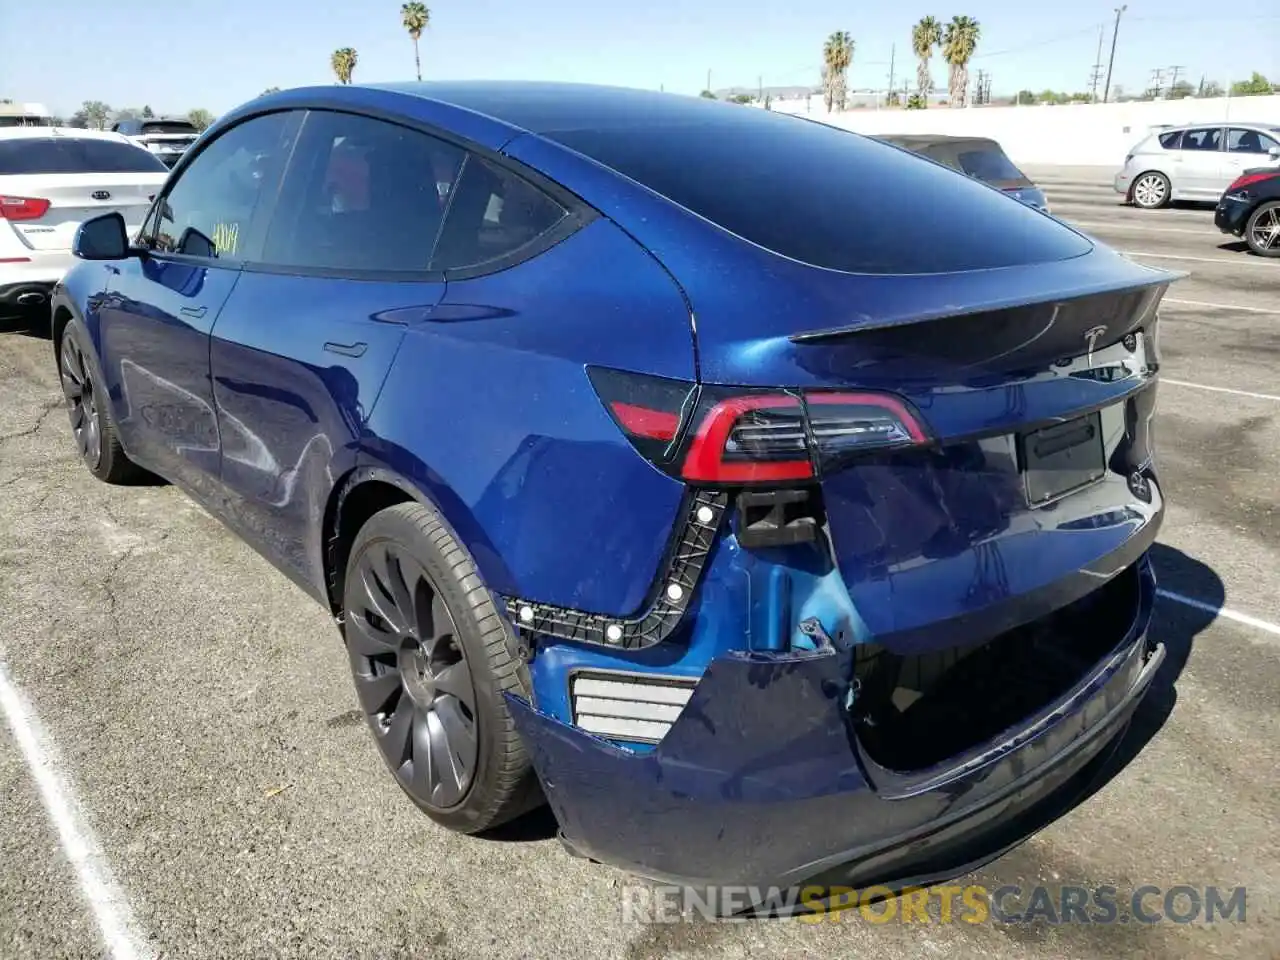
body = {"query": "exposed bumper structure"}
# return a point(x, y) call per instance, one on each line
point(762, 781)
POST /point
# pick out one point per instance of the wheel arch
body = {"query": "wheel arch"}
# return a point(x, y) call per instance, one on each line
point(370, 488)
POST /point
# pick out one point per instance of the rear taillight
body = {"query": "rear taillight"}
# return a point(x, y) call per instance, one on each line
point(22, 208)
point(1249, 179)
point(718, 435)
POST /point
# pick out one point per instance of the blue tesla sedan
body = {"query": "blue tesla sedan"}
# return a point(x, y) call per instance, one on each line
point(768, 500)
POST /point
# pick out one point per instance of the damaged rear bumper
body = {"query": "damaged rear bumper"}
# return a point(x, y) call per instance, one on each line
point(762, 782)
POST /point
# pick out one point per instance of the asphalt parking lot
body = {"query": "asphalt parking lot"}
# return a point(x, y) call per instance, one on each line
point(196, 714)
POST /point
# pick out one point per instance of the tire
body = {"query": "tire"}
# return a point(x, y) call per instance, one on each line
point(89, 410)
point(431, 659)
point(1150, 190)
point(1262, 230)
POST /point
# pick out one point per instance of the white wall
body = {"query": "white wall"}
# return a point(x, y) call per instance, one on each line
point(1082, 133)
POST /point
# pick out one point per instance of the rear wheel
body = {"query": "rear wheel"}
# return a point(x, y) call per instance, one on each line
point(1262, 232)
point(92, 424)
point(432, 659)
point(1150, 191)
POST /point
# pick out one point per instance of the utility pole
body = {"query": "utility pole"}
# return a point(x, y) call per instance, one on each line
point(760, 86)
point(1106, 92)
point(893, 51)
point(1157, 83)
point(1097, 67)
point(708, 86)
point(1173, 79)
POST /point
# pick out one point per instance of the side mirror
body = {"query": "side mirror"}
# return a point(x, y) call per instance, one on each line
point(102, 238)
point(193, 243)
point(1274, 153)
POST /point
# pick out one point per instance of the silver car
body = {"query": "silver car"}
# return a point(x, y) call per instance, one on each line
point(1195, 162)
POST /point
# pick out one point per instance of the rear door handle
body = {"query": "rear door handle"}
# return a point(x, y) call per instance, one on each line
point(347, 349)
point(194, 312)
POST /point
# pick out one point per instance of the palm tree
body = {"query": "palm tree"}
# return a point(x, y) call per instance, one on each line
point(959, 40)
point(415, 17)
point(837, 56)
point(925, 35)
point(343, 62)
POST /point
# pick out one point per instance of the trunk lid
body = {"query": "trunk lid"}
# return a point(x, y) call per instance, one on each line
point(76, 197)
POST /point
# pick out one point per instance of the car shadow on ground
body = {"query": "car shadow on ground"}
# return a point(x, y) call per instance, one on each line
point(1235, 246)
point(35, 327)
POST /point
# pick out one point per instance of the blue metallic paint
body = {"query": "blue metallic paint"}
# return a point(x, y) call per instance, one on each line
point(520, 340)
point(473, 395)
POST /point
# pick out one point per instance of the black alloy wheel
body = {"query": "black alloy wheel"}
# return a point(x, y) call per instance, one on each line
point(432, 660)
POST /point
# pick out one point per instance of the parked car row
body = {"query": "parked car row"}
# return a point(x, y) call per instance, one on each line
point(52, 179)
point(1236, 166)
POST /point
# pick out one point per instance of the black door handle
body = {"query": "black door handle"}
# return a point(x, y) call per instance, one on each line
point(194, 312)
point(347, 349)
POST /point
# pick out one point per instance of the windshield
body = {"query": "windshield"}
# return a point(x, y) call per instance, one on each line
point(74, 155)
point(168, 126)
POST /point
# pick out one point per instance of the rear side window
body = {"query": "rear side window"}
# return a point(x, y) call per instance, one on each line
point(1171, 140)
point(1204, 138)
point(31, 155)
point(826, 197)
point(362, 195)
point(493, 215)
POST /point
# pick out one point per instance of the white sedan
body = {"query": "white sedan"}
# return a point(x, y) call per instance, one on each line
point(51, 180)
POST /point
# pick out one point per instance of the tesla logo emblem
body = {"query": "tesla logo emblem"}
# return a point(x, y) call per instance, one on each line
point(1091, 337)
point(101, 195)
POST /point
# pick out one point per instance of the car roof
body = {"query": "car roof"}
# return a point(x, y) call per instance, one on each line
point(1219, 123)
point(543, 107)
point(19, 133)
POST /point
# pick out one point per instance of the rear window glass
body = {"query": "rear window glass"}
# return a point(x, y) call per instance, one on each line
point(989, 164)
point(826, 197)
point(1170, 140)
point(168, 126)
point(74, 155)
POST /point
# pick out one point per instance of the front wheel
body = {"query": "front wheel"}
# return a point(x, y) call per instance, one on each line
point(432, 659)
point(89, 408)
point(1151, 191)
point(1262, 232)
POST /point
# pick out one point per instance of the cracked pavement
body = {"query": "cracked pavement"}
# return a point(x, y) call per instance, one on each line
point(204, 716)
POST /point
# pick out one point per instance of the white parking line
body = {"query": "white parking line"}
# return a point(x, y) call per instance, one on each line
point(1233, 392)
point(1220, 306)
point(1138, 227)
point(1244, 618)
point(1243, 261)
point(105, 899)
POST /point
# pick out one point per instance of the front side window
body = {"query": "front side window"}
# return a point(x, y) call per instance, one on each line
point(494, 214)
point(1241, 140)
point(209, 210)
point(362, 195)
point(1204, 138)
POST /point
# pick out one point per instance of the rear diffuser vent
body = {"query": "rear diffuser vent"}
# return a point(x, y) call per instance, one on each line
point(628, 706)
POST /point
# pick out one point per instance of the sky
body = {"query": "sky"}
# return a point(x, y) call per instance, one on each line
point(178, 56)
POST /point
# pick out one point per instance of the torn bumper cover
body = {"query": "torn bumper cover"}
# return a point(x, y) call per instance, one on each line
point(761, 781)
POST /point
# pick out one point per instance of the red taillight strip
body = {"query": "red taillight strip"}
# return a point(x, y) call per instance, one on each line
point(705, 459)
point(883, 401)
point(644, 422)
point(1250, 179)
